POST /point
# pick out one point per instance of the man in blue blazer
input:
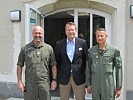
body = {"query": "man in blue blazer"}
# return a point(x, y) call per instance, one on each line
point(71, 55)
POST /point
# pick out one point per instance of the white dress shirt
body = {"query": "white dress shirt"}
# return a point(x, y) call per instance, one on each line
point(70, 49)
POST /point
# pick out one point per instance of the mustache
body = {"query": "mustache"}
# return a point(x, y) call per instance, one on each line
point(38, 38)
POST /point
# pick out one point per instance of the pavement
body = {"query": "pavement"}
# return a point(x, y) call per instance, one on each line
point(52, 98)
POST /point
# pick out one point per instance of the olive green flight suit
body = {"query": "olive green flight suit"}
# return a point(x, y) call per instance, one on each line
point(37, 60)
point(101, 72)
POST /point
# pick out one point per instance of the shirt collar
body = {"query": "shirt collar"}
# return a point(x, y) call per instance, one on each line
point(37, 46)
point(106, 48)
point(71, 41)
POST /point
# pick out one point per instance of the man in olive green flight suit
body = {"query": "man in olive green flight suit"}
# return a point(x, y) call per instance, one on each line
point(37, 56)
point(103, 59)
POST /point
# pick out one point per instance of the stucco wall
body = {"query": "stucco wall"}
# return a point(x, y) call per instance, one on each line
point(7, 36)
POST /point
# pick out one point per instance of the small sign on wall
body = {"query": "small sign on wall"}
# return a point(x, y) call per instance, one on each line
point(32, 20)
point(15, 15)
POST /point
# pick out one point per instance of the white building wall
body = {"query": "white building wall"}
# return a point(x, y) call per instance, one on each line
point(9, 41)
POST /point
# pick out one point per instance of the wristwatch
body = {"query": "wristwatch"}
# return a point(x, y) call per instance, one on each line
point(54, 79)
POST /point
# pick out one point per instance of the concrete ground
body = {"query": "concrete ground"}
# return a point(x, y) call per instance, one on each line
point(53, 98)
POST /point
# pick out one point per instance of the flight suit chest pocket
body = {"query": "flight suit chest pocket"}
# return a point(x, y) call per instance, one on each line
point(108, 63)
point(107, 58)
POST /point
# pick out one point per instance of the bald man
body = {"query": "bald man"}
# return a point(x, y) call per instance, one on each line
point(36, 56)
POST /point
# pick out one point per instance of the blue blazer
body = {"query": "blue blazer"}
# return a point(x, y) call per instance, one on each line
point(78, 65)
